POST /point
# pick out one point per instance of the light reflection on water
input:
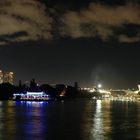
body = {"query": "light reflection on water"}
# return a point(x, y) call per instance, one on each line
point(98, 122)
point(69, 120)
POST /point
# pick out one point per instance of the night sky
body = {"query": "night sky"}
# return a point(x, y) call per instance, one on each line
point(63, 41)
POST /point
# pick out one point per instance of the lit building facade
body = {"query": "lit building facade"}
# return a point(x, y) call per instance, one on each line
point(6, 77)
point(1, 77)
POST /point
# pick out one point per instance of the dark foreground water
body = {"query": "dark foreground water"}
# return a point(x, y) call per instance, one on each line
point(70, 120)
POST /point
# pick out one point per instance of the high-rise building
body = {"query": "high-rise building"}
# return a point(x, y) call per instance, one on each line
point(1, 77)
point(8, 77)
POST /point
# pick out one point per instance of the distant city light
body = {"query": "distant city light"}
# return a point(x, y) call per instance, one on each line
point(99, 85)
point(92, 90)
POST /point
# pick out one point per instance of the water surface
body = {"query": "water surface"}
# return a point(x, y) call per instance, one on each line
point(69, 120)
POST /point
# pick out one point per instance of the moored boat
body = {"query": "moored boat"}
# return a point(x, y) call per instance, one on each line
point(32, 96)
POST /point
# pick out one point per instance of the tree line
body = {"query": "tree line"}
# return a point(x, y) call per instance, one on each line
point(57, 91)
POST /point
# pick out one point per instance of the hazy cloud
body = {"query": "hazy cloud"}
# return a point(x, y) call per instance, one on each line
point(127, 39)
point(100, 20)
point(2, 43)
point(31, 18)
point(24, 16)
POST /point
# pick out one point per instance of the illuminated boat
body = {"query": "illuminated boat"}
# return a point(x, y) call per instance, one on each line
point(34, 96)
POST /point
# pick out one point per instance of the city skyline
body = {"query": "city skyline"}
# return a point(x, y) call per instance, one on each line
point(84, 41)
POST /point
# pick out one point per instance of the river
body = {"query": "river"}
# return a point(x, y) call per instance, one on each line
point(70, 120)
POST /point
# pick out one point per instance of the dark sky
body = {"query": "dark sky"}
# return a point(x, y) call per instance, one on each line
point(63, 41)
